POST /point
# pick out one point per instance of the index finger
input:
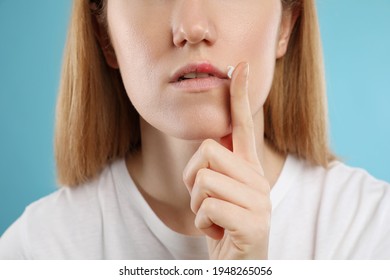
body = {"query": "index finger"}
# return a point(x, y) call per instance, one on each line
point(243, 135)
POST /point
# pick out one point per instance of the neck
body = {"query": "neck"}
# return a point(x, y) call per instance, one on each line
point(157, 170)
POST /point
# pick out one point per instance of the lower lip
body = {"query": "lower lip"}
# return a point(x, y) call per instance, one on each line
point(199, 84)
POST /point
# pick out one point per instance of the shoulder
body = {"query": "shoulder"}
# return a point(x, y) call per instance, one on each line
point(339, 178)
point(336, 187)
point(353, 212)
point(53, 221)
point(69, 202)
point(339, 171)
point(340, 186)
point(352, 190)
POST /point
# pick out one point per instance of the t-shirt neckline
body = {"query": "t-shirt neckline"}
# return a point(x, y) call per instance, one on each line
point(178, 244)
point(183, 245)
point(287, 176)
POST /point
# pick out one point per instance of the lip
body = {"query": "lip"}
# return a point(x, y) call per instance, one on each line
point(202, 67)
point(216, 79)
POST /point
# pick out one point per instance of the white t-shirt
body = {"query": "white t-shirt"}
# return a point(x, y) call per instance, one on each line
point(335, 213)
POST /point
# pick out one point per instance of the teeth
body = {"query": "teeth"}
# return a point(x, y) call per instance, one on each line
point(202, 75)
point(190, 76)
point(196, 75)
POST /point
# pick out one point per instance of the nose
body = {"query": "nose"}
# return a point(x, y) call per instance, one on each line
point(192, 24)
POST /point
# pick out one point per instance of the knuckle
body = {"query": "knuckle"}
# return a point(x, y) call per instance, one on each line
point(193, 206)
point(207, 147)
point(197, 221)
point(186, 177)
point(208, 205)
point(201, 177)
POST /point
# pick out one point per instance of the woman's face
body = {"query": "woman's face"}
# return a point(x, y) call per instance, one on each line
point(173, 57)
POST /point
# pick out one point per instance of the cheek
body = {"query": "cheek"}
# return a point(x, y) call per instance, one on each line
point(135, 53)
point(261, 76)
point(138, 44)
point(261, 50)
point(260, 34)
point(134, 39)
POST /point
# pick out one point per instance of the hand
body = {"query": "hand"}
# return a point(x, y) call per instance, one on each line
point(229, 193)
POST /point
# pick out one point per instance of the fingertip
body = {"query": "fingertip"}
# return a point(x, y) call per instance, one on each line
point(240, 78)
point(245, 71)
point(242, 67)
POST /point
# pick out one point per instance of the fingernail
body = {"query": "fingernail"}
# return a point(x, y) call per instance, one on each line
point(230, 71)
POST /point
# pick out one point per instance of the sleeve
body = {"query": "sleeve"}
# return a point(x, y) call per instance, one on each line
point(381, 248)
point(13, 241)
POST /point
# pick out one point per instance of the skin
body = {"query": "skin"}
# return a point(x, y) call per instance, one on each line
point(221, 170)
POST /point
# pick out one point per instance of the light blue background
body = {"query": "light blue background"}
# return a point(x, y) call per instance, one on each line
point(356, 40)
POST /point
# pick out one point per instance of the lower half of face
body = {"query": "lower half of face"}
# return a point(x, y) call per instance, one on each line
point(187, 115)
point(194, 115)
point(148, 60)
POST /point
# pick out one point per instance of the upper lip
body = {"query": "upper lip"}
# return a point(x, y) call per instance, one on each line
point(201, 67)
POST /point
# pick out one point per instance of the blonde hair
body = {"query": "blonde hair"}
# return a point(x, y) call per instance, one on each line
point(96, 122)
point(295, 112)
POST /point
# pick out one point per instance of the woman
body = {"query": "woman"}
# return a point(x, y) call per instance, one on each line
point(165, 157)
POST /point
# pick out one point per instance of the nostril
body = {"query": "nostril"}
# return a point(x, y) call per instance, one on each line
point(192, 34)
point(179, 37)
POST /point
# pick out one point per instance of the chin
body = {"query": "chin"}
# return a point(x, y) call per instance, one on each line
point(200, 128)
point(201, 134)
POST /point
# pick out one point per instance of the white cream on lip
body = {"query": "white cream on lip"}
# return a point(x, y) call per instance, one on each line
point(230, 71)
